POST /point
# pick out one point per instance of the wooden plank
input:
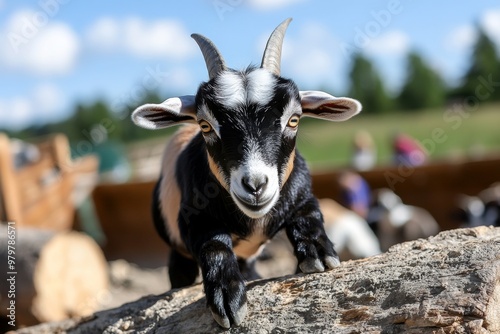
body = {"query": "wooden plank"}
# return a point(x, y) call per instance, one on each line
point(58, 219)
point(43, 194)
point(56, 198)
point(35, 170)
point(32, 180)
point(61, 152)
point(125, 216)
point(9, 190)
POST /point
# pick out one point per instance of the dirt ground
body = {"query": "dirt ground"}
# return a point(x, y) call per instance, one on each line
point(129, 282)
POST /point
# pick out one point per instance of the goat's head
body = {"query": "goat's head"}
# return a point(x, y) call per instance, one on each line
point(249, 121)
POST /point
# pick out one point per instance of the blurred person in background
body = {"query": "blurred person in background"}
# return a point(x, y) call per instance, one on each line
point(355, 193)
point(408, 151)
point(365, 153)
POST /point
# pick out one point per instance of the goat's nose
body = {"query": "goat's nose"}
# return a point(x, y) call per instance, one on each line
point(255, 184)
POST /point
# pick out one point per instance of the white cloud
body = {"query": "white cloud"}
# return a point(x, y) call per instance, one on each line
point(47, 99)
point(266, 5)
point(464, 37)
point(393, 43)
point(161, 38)
point(490, 21)
point(15, 113)
point(43, 104)
point(104, 34)
point(40, 47)
point(461, 38)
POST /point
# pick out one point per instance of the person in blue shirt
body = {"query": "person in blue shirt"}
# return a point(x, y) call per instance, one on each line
point(355, 193)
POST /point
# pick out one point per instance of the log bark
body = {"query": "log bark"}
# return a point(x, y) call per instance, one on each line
point(449, 283)
point(55, 275)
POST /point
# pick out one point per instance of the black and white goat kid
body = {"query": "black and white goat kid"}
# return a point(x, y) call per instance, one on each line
point(232, 180)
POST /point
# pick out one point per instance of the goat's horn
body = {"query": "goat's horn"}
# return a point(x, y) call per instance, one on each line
point(271, 60)
point(213, 58)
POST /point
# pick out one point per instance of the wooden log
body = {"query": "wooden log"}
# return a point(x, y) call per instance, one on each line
point(54, 275)
point(449, 283)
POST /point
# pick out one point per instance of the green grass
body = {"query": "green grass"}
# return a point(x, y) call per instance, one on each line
point(325, 144)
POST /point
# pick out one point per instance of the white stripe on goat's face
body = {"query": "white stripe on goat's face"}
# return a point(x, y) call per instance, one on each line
point(234, 90)
point(254, 185)
point(251, 141)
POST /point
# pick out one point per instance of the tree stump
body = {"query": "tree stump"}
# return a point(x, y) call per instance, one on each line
point(449, 283)
point(55, 276)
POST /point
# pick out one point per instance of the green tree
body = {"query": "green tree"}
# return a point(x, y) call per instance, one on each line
point(367, 86)
point(484, 67)
point(423, 88)
point(90, 122)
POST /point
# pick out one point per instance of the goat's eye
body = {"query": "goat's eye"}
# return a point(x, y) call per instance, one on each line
point(293, 122)
point(205, 127)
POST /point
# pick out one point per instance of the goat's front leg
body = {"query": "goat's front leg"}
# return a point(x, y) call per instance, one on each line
point(306, 232)
point(224, 285)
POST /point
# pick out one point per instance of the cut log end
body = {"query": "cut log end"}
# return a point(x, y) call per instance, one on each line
point(70, 277)
point(59, 275)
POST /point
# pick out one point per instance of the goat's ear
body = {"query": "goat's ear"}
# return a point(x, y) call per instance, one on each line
point(324, 106)
point(171, 112)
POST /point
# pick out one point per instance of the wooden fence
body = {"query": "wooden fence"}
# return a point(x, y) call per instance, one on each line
point(435, 186)
point(124, 209)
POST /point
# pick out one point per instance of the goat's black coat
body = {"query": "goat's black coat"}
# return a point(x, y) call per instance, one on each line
point(211, 224)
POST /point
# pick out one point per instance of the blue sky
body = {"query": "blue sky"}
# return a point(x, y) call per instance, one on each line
point(56, 52)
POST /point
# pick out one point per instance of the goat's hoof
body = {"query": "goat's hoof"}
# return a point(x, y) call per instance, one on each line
point(237, 317)
point(332, 261)
point(312, 265)
point(229, 305)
